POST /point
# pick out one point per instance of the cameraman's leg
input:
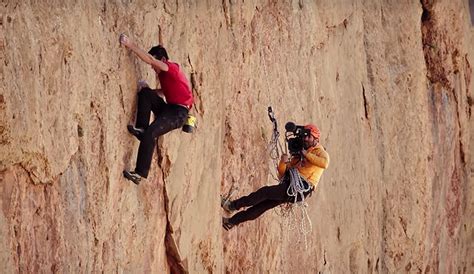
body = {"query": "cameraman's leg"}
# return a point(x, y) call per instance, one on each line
point(274, 193)
point(254, 212)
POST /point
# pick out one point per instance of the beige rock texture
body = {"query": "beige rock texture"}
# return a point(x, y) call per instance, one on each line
point(389, 83)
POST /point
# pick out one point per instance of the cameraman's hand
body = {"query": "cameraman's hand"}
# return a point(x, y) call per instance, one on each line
point(284, 158)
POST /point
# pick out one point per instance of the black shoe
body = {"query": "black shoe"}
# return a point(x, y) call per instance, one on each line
point(226, 224)
point(226, 204)
point(132, 176)
point(137, 132)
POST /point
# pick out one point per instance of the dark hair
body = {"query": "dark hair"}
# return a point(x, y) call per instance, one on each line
point(158, 52)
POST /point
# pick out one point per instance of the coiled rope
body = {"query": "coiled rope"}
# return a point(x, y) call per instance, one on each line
point(301, 223)
point(297, 187)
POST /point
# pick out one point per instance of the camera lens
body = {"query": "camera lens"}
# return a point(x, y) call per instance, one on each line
point(290, 126)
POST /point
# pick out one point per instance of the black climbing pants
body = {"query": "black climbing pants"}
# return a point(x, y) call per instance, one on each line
point(262, 200)
point(167, 118)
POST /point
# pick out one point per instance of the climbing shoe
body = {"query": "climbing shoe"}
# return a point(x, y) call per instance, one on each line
point(226, 224)
point(226, 204)
point(137, 132)
point(132, 176)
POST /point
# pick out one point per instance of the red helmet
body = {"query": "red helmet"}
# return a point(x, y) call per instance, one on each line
point(314, 130)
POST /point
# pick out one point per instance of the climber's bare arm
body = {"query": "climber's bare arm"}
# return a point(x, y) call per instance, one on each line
point(143, 55)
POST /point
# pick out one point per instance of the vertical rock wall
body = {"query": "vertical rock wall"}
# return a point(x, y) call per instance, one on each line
point(389, 83)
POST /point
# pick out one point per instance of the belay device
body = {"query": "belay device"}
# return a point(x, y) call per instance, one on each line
point(275, 146)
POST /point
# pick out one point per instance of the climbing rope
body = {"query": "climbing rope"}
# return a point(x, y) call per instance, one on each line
point(297, 218)
point(297, 189)
point(274, 145)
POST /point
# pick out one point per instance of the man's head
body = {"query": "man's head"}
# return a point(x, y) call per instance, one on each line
point(158, 52)
point(311, 139)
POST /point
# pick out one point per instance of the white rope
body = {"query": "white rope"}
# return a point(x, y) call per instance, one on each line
point(275, 147)
point(265, 71)
point(274, 153)
point(297, 189)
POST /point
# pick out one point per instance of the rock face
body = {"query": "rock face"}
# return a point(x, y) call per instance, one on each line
point(389, 83)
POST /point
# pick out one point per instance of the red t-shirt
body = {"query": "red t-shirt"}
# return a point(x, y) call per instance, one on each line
point(175, 86)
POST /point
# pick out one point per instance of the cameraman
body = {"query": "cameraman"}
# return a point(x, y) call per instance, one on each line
point(310, 164)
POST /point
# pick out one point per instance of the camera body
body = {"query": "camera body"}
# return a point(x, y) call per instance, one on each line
point(295, 137)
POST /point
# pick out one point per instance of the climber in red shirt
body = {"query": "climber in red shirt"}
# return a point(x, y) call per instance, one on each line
point(169, 115)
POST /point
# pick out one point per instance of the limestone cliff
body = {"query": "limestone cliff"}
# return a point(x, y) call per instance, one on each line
point(389, 83)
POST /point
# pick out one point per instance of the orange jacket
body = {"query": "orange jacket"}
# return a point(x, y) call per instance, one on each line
point(311, 168)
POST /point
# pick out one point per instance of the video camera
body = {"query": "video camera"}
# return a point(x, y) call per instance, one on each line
point(295, 137)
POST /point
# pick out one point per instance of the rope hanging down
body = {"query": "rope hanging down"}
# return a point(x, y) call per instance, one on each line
point(300, 222)
point(296, 185)
point(297, 189)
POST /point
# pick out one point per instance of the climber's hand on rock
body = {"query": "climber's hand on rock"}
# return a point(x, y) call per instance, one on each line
point(284, 158)
point(124, 40)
